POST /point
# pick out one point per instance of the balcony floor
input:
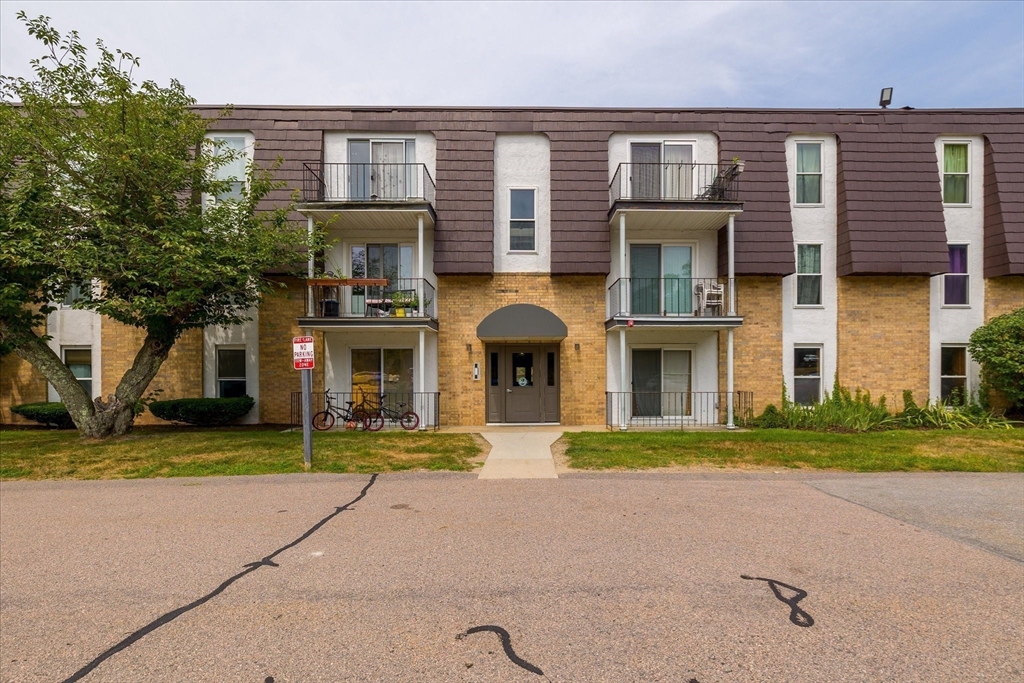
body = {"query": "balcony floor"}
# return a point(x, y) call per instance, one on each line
point(682, 321)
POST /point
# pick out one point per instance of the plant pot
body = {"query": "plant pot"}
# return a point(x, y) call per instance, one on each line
point(399, 312)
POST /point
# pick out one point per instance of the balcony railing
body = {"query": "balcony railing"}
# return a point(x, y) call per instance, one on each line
point(367, 183)
point(396, 298)
point(426, 405)
point(677, 409)
point(675, 182)
point(670, 297)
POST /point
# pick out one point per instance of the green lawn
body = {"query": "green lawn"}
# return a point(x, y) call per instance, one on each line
point(969, 450)
point(190, 452)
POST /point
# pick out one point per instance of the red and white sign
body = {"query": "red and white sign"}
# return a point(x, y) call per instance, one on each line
point(302, 353)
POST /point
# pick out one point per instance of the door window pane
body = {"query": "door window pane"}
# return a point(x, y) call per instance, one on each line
point(677, 283)
point(954, 374)
point(366, 383)
point(522, 369)
point(955, 285)
point(808, 173)
point(388, 174)
point(646, 382)
point(808, 279)
point(678, 171)
point(806, 375)
point(645, 170)
point(551, 368)
point(79, 361)
point(230, 373)
point(644, 273)
point(398, 371)
point(494, 369)
point(359, 169)
point(676, 382)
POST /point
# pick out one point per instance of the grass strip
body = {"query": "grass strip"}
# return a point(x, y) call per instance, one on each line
point(196, 452)
point(968, 450)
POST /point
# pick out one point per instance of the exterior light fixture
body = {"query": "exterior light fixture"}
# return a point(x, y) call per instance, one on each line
point(886, 99)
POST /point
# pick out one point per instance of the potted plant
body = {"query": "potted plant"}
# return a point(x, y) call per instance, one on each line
point(412, 306)
point(738, 163)
point(398, 304)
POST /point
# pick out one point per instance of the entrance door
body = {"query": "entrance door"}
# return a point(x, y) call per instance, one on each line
point(522, 383)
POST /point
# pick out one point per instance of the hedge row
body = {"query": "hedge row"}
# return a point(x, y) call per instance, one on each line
point(49, 414)
point(205, 412)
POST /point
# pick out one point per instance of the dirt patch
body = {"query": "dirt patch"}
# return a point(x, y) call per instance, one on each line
point(485, 448)
point(558, 449)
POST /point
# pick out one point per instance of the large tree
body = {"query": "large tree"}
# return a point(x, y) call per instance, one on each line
point(106, 180)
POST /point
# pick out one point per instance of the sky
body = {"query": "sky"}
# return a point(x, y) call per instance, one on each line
point(633, 54)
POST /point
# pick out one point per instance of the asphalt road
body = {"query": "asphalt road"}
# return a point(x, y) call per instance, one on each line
point(444, 577)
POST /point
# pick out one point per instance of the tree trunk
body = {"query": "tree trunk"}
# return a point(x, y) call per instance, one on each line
point(101, 418)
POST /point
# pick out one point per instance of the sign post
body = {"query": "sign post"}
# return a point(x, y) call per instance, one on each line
point(304, 360)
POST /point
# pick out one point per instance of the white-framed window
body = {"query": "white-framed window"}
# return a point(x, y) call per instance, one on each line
point(808, 275)
point(956, 283)
point(953, 374)
point(234, 171)
point(377, 371)
point(806, 375)
point(79, 361)
point(661, 381)
point(522, 219)
point(808, 173)
point(956, 172)
point(230, 371)
point(78, 292)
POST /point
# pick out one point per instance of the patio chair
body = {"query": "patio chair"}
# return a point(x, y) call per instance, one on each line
point(710, 295)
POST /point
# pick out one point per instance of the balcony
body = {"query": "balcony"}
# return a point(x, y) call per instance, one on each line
point(375, 196)
point(661, 302)
point(677, 409)
point(400, 302)
point(674, 196)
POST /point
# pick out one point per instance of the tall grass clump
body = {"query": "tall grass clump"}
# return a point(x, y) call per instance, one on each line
point(843, 411)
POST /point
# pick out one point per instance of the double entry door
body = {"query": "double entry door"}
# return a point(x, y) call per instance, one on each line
point(522, 383)
point(661, 279)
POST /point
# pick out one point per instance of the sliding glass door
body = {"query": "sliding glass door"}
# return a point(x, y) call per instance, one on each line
point(661, 383)
point(661, 279)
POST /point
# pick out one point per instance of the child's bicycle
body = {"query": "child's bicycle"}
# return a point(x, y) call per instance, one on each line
point(326, 418)
point(408, 419)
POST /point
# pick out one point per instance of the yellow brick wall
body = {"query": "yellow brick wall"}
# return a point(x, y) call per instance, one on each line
point(20, 383)
point(757, 343)
point(180, 376)
point(1003, 295)
point(464, 301)
point(883, 336)
point(277, 325)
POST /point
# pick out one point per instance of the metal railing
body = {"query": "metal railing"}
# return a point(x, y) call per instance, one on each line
point(675, 182)
point(676, 409)
point(426, 404)
point(366, 183)
point(670, 297)
point(400, 298)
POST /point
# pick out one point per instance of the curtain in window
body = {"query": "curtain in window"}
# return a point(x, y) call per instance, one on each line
point(388, 175)
point(676, 383)
point(808, 170)
point(955, 158)
point(233, 170)
point(678, 172)
point(954, 182)
point(646, 382)
point(957, 279)
point(808, 279)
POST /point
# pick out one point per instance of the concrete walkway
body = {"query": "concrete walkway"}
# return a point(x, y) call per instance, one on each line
point(520, 453)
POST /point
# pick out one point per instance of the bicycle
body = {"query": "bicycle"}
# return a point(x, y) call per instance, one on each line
point(408, 419)
point(326, 418)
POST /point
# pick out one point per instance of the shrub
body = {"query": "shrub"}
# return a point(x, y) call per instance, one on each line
point(999, 346)
point(204, 412)
point(50, 414)
point(771, 418)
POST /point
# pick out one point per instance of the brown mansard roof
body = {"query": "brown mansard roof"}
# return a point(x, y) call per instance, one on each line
point(889, 205)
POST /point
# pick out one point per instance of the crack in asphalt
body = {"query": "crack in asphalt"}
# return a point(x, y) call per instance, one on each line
point(267, 561)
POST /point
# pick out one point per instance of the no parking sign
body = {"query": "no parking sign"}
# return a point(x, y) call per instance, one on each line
point(302, 353)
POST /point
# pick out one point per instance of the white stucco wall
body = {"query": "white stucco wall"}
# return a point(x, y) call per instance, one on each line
point(705, 149)
point(965, 224)
point(336, 146)
point(812, 325)
point(70, 328)
point(522, 161)
point(245, 336)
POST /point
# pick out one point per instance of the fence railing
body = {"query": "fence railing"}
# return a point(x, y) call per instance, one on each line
point(676, 409)
point(400, 298)
point(670, 297)
point(426, 404)
point(366, 183)
point(675, 182)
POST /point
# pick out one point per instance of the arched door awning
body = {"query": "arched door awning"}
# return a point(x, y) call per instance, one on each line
point(522, 323)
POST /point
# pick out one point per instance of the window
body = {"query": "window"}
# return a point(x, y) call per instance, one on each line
point(956, 173)
point(808, 173)
point(523, 224)
point(806, 375)
point(78, 292)
point(381, 371)
point(494, 369)
point(808, 275)
point(230, 372)
point(389, 261)
point(956, 282)
point(234, 169)
point(79, 361)
point(382, 169)
point(954, 374)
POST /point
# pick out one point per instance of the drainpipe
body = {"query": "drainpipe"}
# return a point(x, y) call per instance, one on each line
point(419, 264)
point(729, 384)
point(309, 269)
point(623, 305)
point(732, 265)
point(623, 421)
point(422, 373)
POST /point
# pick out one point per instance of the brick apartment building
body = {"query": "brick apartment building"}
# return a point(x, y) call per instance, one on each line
point(620, 267)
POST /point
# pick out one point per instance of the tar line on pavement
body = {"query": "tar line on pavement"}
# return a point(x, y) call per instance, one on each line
point(506, 644)
point(796, 615)
point(267, 561)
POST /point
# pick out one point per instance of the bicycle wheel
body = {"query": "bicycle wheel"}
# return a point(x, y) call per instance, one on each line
point(410, 420)
point(375, 422)
point(323, 421)
point(361, 418)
